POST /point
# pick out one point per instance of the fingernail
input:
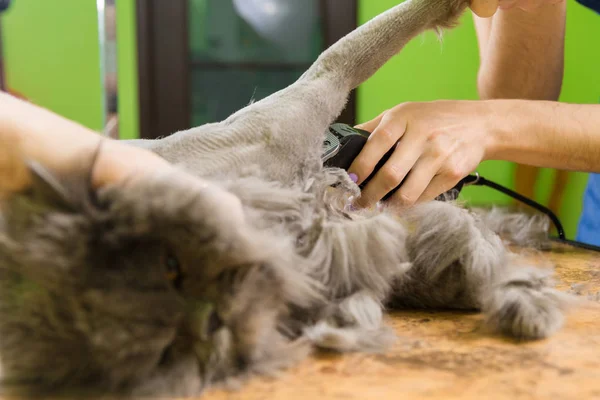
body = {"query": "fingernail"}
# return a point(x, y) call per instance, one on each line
point(354, 177)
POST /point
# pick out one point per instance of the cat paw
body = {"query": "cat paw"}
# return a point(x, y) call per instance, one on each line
point(524, 305)
point(353, 325)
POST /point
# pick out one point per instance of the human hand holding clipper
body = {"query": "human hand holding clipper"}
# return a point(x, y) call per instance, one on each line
point(433, 147)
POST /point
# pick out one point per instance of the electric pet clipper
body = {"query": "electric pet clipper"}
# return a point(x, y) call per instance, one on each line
point(342, 145)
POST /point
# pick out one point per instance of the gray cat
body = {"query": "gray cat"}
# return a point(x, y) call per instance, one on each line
point(159, 288)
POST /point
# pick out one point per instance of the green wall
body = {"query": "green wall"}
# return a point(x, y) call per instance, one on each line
point(128, 107)
point(429, 70)
point(52, 57)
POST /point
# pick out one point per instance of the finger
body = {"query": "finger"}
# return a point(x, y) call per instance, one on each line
point(439, 184)
point(383, 138)
point(115, 163)
point(484, 8)
point(416, 182)
point(370, 126)
point(391, 174)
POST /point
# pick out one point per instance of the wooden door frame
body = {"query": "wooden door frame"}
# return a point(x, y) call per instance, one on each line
point(341, 18)
point(163, 70)
point(164, 66)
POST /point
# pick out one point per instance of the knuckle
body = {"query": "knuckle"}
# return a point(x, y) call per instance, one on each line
point(362, 166)
point(384, 114)
point(386, 134)
point(401, 112)
point(438, 146)
point(406, 199)
point(455, 173)
point(391, 177)
point(438, 150)
point(403, 107)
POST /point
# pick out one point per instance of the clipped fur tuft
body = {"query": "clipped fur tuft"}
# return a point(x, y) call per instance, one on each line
point(355, 324)
point(517, 228)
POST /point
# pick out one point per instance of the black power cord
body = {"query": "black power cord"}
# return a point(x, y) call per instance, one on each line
point(477, 180)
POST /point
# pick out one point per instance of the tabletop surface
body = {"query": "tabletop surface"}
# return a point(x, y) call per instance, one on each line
point(445, 355)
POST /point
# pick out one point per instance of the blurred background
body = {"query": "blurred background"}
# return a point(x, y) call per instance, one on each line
point(147, 68)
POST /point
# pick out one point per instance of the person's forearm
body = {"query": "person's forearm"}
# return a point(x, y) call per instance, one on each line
point(28, 132)
point(522, 53)
point(545, 134)
point(522, 58)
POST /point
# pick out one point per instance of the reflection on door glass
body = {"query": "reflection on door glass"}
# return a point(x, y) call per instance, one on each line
point(216, 94)
point(247, 49)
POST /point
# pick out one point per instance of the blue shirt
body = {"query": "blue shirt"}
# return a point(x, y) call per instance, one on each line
point(589, 224)
point(591, 4)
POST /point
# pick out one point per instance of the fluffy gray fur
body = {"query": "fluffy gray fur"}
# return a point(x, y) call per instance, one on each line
point(87, 295)
point(518, 229)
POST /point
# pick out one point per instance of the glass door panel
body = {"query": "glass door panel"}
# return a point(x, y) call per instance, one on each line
point(248, 49)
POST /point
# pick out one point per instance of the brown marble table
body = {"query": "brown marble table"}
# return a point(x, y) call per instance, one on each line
point(447, 355)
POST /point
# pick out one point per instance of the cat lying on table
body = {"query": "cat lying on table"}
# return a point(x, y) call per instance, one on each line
point(155, 288)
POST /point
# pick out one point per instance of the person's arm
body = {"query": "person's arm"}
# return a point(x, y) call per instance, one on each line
point(33, 133)
point(487, 8)
point(443, 141)
point(522, 53)
point(521, 57)
point(546, 134)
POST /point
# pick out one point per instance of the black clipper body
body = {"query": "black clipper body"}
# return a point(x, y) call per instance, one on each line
point(342, 145)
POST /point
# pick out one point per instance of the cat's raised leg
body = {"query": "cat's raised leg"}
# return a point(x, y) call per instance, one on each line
point(283, 133)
